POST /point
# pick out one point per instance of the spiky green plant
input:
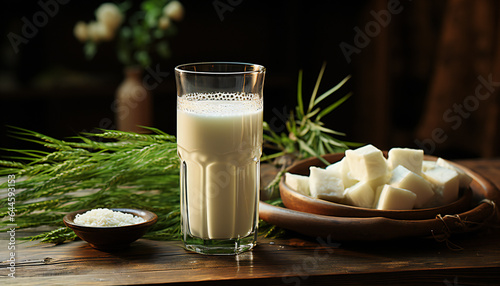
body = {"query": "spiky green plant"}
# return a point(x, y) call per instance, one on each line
point(108, 169)
point(306, 134)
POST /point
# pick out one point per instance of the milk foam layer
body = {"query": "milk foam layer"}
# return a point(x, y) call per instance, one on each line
point(219, 103)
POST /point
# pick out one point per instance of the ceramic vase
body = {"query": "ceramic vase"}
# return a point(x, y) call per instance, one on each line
point(133, 102)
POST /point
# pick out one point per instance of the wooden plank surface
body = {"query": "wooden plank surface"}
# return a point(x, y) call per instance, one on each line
point(296, 261)
point(289, 261)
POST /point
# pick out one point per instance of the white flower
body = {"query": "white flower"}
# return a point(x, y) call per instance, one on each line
point(174, 10)
point(81, 31)
point(164, 22)
point(110, 15)
point(98, 31)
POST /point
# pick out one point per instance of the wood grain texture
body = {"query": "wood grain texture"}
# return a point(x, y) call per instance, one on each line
point(284, 261)
point(296, 261)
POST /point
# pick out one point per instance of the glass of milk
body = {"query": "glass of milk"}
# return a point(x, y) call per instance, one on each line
point(219, 142)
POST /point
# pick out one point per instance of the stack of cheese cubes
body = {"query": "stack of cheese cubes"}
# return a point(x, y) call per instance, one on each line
point(365, 178)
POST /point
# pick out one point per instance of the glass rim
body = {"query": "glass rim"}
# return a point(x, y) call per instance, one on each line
point(259, 68)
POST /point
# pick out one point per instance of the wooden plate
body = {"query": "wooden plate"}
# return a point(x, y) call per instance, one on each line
point(338, 228)
point(296, 201)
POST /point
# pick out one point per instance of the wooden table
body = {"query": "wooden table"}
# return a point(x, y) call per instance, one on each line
point(296, 261)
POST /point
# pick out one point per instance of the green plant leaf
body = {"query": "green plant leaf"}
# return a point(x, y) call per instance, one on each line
point(163, 49)
point(312, 113)
point(329, 148)
point(126, 32)
point(308, 149)
point(321, 148)
point(312, 137)
point(273, 139)
point(158, 33)
point(304, 131)
point(90, 49)
point(325, 130)
point(124, 6)
point(332, 107)
point(151, 18)
point(142, 57)
point(332, 90)
point(272, 156)
point(316, 87)
point(300, 103)
point(330, 141)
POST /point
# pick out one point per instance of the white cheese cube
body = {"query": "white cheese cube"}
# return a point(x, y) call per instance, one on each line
point(445, 183)
point(336, 168)
point(380, 181)
point(340, 169)
point(464, 179)
point(298, 183)
point(392, 198)
point(323, 185)
point(411, 159)
point(366, 163)
point(427, 165)
point(378, 191)
point(360, 195)
point(406, 179)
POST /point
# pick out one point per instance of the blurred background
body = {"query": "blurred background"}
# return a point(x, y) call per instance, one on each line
point(425, 74)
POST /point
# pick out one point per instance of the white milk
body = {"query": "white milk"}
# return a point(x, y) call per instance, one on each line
point(220, 144)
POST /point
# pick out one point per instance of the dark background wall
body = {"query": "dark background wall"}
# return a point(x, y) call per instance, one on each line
point(48, 86)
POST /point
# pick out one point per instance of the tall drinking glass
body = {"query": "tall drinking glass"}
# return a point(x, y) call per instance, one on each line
point(219, 142)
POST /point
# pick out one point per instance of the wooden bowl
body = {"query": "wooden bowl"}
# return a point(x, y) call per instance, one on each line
point(296, 201)
point(483, 212)
point(112, 238)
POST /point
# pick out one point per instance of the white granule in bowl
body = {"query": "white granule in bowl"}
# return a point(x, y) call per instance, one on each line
point(106, 217)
